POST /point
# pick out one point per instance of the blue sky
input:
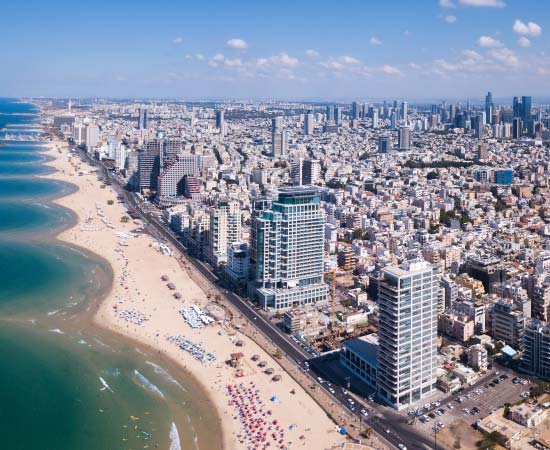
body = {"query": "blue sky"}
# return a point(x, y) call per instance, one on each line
point(299, 49)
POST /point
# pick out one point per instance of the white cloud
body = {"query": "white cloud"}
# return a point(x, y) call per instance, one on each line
point(524, 42)
point(232, 62)
point(483, 3)
point(504, 55)
point(199, 57)
point(390, 70)
point(121, 78)
point(280, 60)
point(527, 29)
point(375, 41)
point(283, 59)
point(407, 33)
point(471, 54)
point(312, 53)
point(348, 60)
point(236, 43)
point(178, 40)
point(446, 4)
point(450, 18)
point(414, 66)
point(488, 42)
point(218, 57)
point(188, 56)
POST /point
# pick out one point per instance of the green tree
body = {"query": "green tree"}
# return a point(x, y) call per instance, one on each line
point(489, 441)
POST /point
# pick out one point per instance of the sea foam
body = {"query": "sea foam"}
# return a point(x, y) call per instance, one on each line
point(147, 384)
point(174, 438)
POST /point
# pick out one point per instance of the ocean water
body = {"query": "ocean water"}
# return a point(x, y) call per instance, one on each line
point(64, 384)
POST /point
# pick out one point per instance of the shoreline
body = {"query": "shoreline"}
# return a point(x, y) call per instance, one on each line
point(308, 420)
point(90, 315)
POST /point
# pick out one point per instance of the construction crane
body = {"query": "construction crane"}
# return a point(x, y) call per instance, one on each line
point(332, 274)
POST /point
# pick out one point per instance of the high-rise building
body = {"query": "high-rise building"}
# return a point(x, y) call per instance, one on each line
point(404, 138)
point(355, 110)
point(148, 170)
point(536, 349)
point(225, 229)
point(143, 118)
point(121, 153)
point(171, 179)
point(516, 128)
point(384, 144)
point(330, 113)
point(489, 107)
point(508, 323)
point(337, 115)
point(374, 117)
point(279, 138)
point(482, 152)
point(407, 363)
point(220, 119)
point(526, 112)
point(170, 148)
point(288, 240)
point(305, 172)
point(405, 111)
point(308, 124)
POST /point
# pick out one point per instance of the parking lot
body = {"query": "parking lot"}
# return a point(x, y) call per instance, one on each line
point(481, 398)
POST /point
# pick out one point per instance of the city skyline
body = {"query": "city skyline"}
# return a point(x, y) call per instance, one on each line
point(444, 49)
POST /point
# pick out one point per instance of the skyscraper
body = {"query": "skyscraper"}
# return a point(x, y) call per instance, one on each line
point(279, 138)
point(516, 128)
point(305, 171)
point(374, 118)
point(526, 113)
point(384, 144)
point(536, 349)
point(405, 111)
point(143, 118)
point(337, 115)
point(404, 138)
point(172, 174)
point(288, 249)
point(407, 362)
point(355, 110)
point(330, 113)
point(308, 124)
point(489, 107)
point(148, 170)
point(225, 229)
point(220, 119)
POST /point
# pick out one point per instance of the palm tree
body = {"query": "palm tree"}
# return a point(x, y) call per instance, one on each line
point(367, 431)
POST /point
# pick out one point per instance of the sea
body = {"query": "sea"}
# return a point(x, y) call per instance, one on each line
point(66, 384)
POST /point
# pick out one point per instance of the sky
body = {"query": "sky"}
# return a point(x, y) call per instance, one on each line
point(276, 50)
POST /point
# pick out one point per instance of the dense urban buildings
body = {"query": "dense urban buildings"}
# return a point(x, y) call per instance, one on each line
point(394, 231)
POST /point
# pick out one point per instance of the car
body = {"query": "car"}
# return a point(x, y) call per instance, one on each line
point(432, 415)
point(402, 446)
point(332, 391)
point(515, 380)
point(504, 376)
point(388, 430)
point(350, 401)
point(450, 406)
point(440, 424)
point(465, 410)
point(441, 411)
point(366, 414)
point(344, 392)
point(438, 412)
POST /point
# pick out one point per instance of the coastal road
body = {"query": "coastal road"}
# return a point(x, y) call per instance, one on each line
point(398, 434)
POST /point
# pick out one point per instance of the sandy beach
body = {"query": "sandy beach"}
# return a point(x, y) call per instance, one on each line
point(252, 408)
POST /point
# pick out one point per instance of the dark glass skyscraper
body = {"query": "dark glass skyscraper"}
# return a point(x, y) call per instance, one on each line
point(526, 108)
